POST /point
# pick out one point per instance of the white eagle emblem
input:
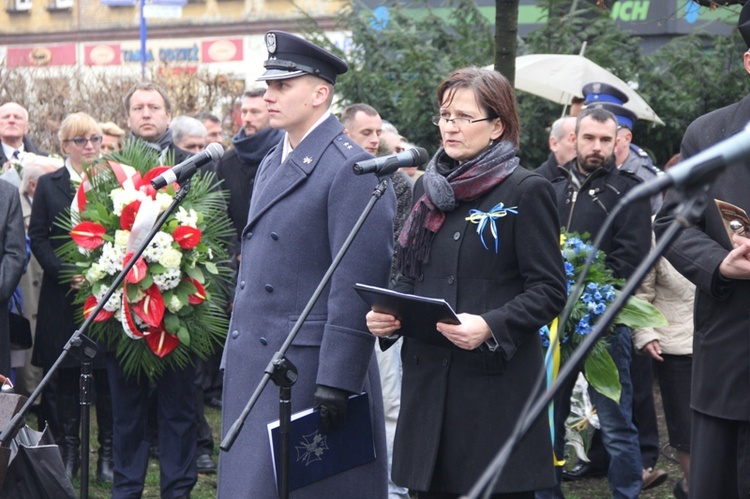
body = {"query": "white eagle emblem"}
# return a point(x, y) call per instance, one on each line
point(271, 42)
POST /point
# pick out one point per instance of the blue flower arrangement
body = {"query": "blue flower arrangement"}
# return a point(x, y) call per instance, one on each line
point(599, 291)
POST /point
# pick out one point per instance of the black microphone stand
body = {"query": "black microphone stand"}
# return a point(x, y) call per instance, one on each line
point(278, 370)
point(686, 213)
point(84, 348)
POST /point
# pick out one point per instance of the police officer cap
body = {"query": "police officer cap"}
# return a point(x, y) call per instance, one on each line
point(744, 24)
point(290, 56)
point(625, 117)
point(603, 92)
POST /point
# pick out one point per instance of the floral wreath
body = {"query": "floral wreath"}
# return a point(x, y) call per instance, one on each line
point(172, 303)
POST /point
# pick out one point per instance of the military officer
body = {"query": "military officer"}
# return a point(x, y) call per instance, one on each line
point(305, 202)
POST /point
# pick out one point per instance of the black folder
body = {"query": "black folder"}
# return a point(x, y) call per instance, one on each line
point(418, 314)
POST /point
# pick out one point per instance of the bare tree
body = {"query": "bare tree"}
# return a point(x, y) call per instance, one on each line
point(506, 37)
point(50, 94)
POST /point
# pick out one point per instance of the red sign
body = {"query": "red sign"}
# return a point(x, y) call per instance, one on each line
point(59, 55)
point(177, 71)
point(102, 55)
point(222, 50)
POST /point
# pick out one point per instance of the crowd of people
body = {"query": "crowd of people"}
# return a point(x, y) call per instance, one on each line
point(473, 227)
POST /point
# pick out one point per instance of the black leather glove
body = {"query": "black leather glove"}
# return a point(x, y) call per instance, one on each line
point(331, 403)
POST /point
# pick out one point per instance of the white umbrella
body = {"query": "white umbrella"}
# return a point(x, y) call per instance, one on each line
point(559, 77)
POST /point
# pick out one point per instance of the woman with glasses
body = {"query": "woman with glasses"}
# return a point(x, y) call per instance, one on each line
point(80, 140)
point(483, 235)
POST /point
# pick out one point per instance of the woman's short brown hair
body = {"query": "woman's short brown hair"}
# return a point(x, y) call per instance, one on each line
point(494, 94)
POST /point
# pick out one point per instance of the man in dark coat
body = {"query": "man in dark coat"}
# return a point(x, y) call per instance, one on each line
point(149, 112)
point(238, 166)
point(12, 261)
point(586, 194)
point(14, 127)
point(306, 200)
point(720, 269)
point(562, 145)
point(631, 159)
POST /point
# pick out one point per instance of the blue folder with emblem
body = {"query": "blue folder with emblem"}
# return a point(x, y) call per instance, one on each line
point(316, 455)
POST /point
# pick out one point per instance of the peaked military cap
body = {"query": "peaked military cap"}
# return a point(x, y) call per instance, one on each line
point(744, 23)
point(290, 56)
point(625, 117)
point(603, 92)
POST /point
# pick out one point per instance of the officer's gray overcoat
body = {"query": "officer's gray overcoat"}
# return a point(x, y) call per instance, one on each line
point(300, 214)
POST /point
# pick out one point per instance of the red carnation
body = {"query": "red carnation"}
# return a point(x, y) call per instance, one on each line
point(161, 342)
point(200, 292)
point(128, 215)
point(151, 308)
point(187, 237)
point(90, 305)
point(145, 185)
point(88, 235)
point(137, 272)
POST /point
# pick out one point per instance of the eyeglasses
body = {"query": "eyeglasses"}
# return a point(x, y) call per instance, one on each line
point(81, 141)
point(458, 122)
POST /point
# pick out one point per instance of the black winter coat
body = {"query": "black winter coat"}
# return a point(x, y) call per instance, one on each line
point(56, 316)
point(721, 342)
point(584, 209)
point(457, 406)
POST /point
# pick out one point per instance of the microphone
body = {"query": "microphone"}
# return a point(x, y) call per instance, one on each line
point(389, 164)
point(187, 168)
point(698, 169)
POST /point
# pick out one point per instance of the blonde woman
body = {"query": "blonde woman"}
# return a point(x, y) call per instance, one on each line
point(112, 136)
point(80, 140)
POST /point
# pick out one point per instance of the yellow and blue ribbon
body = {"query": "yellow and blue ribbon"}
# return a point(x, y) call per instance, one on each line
point(552, 365)
point(482, 219)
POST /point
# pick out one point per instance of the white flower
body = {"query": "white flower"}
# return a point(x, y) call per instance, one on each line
point(187, 218)
point(158, 245)
point(123, 197)
point(114, 302)
point(163, 200)
point(121, 238)
point(95, 272)
point(112, 258)
point(174, 304)
point(167, 280)
point(171, 258)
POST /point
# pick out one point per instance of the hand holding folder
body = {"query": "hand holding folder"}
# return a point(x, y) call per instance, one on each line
point(418, 314)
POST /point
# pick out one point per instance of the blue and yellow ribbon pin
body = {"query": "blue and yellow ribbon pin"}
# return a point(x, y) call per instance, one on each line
point(481, 218)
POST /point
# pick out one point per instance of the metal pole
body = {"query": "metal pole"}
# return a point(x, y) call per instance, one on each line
point(144, 36)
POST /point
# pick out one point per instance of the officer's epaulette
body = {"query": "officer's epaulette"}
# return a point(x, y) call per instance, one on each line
point(640, 152)
point(654, 168)
point(649, 165)
point(347, 146)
